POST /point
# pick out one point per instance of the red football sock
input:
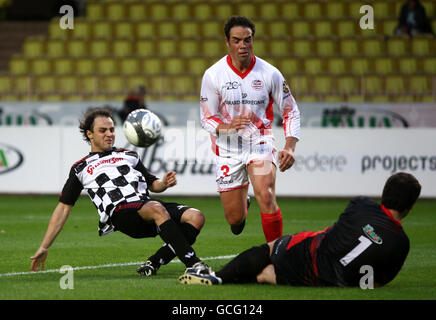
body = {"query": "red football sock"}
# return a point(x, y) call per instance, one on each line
point(272, 224)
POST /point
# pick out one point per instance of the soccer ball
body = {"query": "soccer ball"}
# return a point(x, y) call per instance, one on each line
point(142, 128)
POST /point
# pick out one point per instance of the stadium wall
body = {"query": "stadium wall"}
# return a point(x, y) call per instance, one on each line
point(330, 162)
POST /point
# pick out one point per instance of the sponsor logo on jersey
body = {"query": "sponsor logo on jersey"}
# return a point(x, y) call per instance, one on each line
point(231, 85)
point(257, 84)
point(92, 167)
point(10, 158)
point(370, 233)
point(286, 87)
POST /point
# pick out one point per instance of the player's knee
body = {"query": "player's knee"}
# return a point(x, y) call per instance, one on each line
point(194, 217)
point(266, 197)
point(235, 220)
point(155, 211)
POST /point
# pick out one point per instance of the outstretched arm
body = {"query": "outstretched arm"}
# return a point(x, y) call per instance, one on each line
point(160, 185)
point(57, 221)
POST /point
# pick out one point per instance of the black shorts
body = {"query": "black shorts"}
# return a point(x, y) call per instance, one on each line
point(127, 219)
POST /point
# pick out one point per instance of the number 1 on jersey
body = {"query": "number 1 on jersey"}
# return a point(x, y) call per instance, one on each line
point(362, 246)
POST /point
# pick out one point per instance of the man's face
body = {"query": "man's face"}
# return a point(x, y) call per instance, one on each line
point(240, 44)
point(103, 135)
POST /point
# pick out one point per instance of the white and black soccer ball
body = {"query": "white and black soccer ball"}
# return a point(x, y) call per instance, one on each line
point(142, 128)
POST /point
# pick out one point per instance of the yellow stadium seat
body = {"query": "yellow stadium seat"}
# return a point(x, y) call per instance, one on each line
point(67, 84)
point(107, 66)
point(347, 85)
point(99, 48)
point(181, 84)
point(125, 29)
point(382, 10)
point(301, 47)
point(408, 65)
point(202, 11)
point(189, 29)
point(77, 48)
point(290, 10)
point(323, 28)
point(63, 66)
point(389, 26)
point(224, 10)
point(18, 65)
point(212, 29)
point(197, 65)
point(115, 11)
point(421, 46)
point(122, 48)
point(312, 10)
point(167, 47)
point(167, 29)
point(300, 84)
point(349, 47)
point(46, 84)
point(313, 65)
point(289, 65)
point(279, 47)
point(278, 29)
point(130, 66)
point(137, 11)
point(397, 46)
point(181, 11)
point(159, 11)
point(248, 9)
point(395, 84)
point(354, 10)
point(322, 84)
point(174, 65)
point(384, 65)
point(418, 84)
point(373, 84)
point(335, 10)
point(189, 48)
point(269, 10)
point(136, 80)
point(145, 29)
point(213, 48)
point(33, 47)
point(41, 66)
point(85, 66)
point(55, 48)
point(145, 48)
point(300, 29)
point(152, 66)
point(360, 66)
point(89, 85)
point(337, 66)
point(113, 84)
point(429, 65)
point(82, 29)
point(326, 47)
point(5, 84)
point(95, 11)
point(261, 47)
point(57, 33)
point(102, 29)
point(373, 47)
point(346, 28)
point(22, 84)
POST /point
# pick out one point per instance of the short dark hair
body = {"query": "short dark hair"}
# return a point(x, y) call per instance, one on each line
point(87, 122)
point(238, 21)
point(400, 192)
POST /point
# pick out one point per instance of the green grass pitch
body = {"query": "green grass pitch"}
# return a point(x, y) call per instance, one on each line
point(24, 219)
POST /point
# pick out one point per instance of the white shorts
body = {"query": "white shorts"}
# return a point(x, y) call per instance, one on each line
point(231, 170)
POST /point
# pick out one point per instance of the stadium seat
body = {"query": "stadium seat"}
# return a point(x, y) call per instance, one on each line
point(181, 84)
point(102, 30)
point(354, 10)
point(55, 48)
point(389, 26)
point(189, 48)
point(77, 48)
point(113, 84)
point(82, 29)
point(372, 47)
point(278, 29)
point(337, 66)
point(189, 29)
point(213, 48)
point(373, 84)
point(268, 10)
point(335, 10)
point(418, 84)
point(167, 47)
point(67, 84)
point(407, 65)
point(326, 47)
point(85, 66)
point(382, 10)
point(5, 84)
point(397, 46)
point(122, 48)
point(300, 84)
point(34, 47)
point(137, 11)
point(89, 85)
point(124, 30)
point(181, 11)
point(115, 11)
point(289, 65)
point(322, 84)
point(383, 65)
point(347, 85)
point(63, 66)
point(312, 10)
point(22, 83)
point(57, 33)
point(248, 9)
point(429, 65)
point(46, 84)
point(323, 28)
point(313, 65)
point(395, 84)
point(152, 66)
point(349, 47)
point(224, 10)
point(145, 48)
point(212, 29)
point(174, 66)
point(18, 65)
point(301, 47)
point(40, 66)
point(202, 11)
point(346, 28)
point(95, 11)
point(159, 11)
point(106, 66)
point(197, 65)
point(300, 29)
point(421, 46)
point(130, 66)
point(290, 10)
point(145, 29)
point(167, 29)
point(261, 47)
point(136, 80)
point(99, 48)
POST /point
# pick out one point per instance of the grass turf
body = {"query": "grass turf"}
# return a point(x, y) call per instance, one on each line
point(24, 219)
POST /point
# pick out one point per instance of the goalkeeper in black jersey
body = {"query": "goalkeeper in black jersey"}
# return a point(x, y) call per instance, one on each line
point(366, 243)
point(118, 183)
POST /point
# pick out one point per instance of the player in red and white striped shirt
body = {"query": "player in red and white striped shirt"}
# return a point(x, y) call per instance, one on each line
point(237, 97)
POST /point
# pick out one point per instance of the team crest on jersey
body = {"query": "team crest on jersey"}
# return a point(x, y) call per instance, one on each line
point(257, 84)
point(370, 233)
point(285, 87)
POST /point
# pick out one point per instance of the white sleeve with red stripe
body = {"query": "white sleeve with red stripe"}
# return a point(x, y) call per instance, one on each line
point(287, 105)
point(209, 103)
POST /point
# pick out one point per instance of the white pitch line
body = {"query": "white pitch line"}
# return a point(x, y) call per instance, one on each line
point(110, 265)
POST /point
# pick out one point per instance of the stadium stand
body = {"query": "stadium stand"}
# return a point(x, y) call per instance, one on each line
point(166, 46)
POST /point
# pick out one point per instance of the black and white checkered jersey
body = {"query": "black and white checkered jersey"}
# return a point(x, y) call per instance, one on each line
point(110, 178)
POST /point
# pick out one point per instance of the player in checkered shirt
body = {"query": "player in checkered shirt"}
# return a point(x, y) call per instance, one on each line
point(117, 183)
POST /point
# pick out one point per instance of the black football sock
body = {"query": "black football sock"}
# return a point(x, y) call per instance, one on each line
point(165, 254)
point(173, 237)
point(246, 266)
